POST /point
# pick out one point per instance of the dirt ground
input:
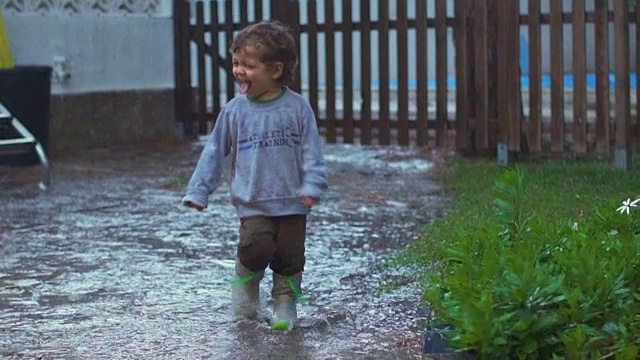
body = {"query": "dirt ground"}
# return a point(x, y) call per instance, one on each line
point(108, 265)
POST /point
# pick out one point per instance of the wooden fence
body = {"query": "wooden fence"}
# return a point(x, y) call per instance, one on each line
point(493, 111)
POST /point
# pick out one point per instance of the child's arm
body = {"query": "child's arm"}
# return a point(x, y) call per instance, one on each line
point(206, 176)
point(314, 177)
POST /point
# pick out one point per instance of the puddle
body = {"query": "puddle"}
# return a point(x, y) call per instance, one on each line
point(108, 265)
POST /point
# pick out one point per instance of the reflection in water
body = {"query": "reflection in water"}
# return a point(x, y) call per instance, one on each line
point(257, 341)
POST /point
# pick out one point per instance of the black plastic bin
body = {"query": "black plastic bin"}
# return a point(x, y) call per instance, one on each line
point(26, 92)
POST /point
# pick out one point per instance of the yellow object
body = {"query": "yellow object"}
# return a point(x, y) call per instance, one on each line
point(6, 59)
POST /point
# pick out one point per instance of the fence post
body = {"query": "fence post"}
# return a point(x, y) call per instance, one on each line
point(502, 150)
point(182, 56)
point(623, 149)
point(463, 142)
point(178, 96)
point(509, 135)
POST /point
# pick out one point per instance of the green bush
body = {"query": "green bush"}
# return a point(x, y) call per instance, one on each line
point(527, 287)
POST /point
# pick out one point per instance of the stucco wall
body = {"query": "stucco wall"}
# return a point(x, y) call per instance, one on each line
point(113, 67)
point(104, 49)
point(102, 54)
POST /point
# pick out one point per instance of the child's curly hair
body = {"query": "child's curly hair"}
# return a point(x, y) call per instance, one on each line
point(276, 43)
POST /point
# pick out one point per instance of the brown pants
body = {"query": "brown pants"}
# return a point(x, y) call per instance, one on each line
point(277, 242)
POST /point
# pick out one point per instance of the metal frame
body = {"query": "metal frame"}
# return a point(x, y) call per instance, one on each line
point(24, 145)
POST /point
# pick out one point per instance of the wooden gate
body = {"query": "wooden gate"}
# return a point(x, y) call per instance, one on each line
point(487, 106)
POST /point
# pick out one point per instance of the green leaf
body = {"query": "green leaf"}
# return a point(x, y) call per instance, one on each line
point(596, 343)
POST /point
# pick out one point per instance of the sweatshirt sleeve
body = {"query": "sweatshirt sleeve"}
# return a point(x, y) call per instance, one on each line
point(206, 176)
point(314, 179)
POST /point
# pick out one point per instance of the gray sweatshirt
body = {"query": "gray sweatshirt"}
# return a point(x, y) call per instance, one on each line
point(276, 157)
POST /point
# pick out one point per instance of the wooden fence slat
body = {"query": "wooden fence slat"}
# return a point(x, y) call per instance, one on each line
point(277, 10)
point(481, 78)
point(535, 78)
point(178, 39)
point(215, 63)
point(422, 122)
point(259, 11)
point(513, 68)
point(403, 74)
point(508, 76)
point(637, 22)
point(462, 64)
point(504, 57)
point(331, 72)
point(603, 121)
point(186, 69)
point(347, 71)
point(312, 14)
point(622, 106)
point(365, 70)
point(441, 73)
point(228, 18)
point(557, 80)
point(200, 56)
point(244, 13)
point(580, 77)
point(384, 137)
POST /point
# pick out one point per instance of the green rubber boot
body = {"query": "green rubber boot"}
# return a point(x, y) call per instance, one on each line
point(245, 292)
point(285, 290)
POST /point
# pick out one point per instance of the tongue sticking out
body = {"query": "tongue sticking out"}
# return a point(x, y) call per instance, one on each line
point(244, 87)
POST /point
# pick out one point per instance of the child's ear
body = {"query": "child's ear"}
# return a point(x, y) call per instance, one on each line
point(278, 70)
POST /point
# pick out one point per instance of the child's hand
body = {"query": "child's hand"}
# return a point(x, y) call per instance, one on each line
point(193, 206)
point(308, 201)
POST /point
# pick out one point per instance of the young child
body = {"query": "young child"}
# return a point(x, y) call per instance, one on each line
point(278, 172)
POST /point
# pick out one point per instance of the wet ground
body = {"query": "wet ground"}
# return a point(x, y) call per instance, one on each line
point(108, 265)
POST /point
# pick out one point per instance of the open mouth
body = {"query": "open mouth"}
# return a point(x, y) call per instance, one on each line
point(244, 87)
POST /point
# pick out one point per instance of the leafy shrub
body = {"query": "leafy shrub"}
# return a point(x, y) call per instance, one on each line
point(526, 287)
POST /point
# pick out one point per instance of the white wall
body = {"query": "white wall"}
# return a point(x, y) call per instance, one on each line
point(104, 49)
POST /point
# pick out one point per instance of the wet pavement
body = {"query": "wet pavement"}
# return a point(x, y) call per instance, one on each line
point(108, 265)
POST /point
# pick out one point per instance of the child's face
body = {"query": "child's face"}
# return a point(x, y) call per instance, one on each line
point(257, 79)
